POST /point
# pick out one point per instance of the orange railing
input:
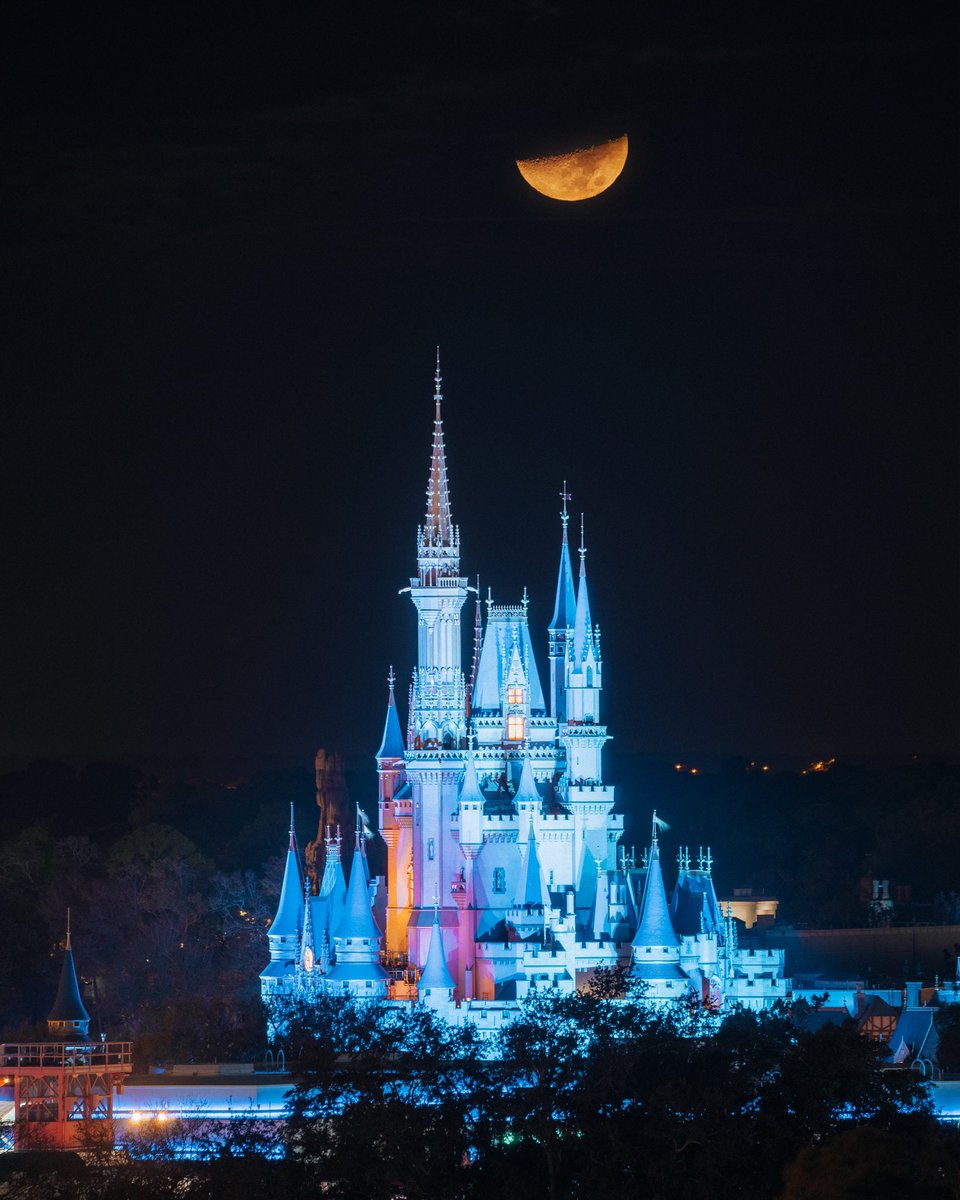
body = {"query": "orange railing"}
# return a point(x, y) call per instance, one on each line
point(66, 1054)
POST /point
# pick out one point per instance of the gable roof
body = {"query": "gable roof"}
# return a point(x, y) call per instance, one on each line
point(506, 629)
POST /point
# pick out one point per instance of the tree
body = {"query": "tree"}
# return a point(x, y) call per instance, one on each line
point(914, 1157)
point(384, 1100)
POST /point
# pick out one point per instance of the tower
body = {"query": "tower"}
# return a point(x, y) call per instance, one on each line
point(437, 719)
point(396, 828)
point(503, 873)
point(356, 939)
point(561, 624)
point(286, 929)
point(64, 1087)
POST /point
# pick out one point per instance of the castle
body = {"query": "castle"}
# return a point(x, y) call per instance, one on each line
point(504, 868)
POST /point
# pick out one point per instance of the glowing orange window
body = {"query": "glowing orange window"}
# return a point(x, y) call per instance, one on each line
point(515, 729)
point(514, 695)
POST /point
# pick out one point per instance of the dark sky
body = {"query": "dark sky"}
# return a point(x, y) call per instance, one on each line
point(231, 242)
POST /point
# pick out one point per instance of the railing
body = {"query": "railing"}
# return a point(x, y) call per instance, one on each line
point(66, 1054)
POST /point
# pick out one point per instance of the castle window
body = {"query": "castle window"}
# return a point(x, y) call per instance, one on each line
point(515, 695)
point(499, 880)
point(431, 849)
point(515, 729)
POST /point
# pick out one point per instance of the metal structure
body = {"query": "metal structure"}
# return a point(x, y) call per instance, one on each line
point(63, 1091)
point(63, 1088)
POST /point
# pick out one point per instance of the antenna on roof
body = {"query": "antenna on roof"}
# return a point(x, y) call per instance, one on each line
point(68, 929)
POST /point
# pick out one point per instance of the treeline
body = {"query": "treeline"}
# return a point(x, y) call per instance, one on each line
point(576, 1098)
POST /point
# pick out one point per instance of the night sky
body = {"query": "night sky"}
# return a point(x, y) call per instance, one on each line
point(231, 243)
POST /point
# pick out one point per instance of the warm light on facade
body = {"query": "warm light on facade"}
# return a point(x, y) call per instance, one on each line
point(515, 695)
point(515, 729)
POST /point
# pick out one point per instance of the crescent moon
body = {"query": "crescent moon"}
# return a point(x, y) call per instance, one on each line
point(578, 175)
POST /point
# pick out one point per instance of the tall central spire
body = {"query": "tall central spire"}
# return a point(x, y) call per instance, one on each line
point(438, 527)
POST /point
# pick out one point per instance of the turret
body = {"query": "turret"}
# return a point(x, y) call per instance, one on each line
point(562, 621)
point(391, 744)
point(583, 642)
point(656, 947)
point(63, 1088)
point(527, 799)
point(435, 985)
point(68, 1018)
point(284, 934)
point(583, 735)
point(356, 940)
point(531, 889)
point(470, 802)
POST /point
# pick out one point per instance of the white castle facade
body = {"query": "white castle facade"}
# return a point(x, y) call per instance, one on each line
point(504, 866)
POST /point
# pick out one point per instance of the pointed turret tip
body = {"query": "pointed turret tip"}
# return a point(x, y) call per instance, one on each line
point(583, 546)
point(564, 515)
point(391, 680)
point(437, 376)
point(67, 946)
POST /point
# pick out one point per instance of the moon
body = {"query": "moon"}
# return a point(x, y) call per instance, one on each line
point(578, 175)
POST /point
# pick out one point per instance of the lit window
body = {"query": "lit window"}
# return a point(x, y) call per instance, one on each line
point(515, 729)
point(515, 695)
point(499, 880)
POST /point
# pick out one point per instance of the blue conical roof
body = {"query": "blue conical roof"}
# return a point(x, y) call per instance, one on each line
point(68, 1005)
point(531, 889)
point(527, 787)
point(582, 629)
point(357, 920)
point(435, 973)
point(289, 919)
point(470, 788)
point(655, 927)
point(391, 744)
point(565, 606)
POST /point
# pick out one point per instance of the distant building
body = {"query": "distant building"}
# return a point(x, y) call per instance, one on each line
point(744, 906)
point(64, 1086)
point(505, 872)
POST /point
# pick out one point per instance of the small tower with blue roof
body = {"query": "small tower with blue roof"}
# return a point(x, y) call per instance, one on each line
point(286, 930)
point(436, 985)
point(356, 940)
point(63, 1088)
point(656, 946)
point(561, 623)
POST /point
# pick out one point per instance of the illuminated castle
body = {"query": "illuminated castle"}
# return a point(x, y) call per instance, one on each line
point(504, 870)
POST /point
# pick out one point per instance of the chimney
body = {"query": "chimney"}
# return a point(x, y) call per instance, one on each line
point(912, 994)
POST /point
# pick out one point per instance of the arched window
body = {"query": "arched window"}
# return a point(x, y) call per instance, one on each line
point(499, 880)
